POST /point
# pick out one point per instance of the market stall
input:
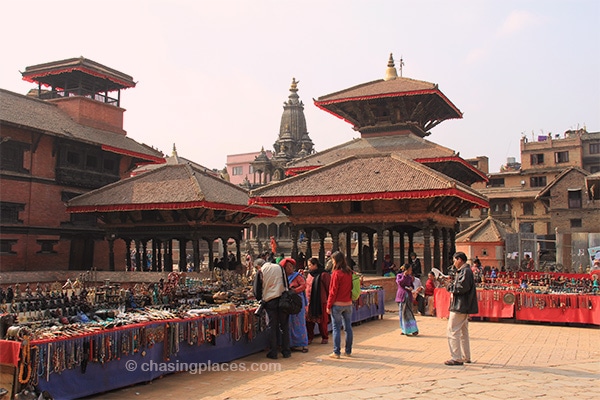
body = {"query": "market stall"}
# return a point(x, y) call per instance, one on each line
point(534, 296)
point(121, 338)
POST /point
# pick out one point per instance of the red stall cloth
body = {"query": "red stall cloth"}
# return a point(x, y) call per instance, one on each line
point(9, 352)
point(551, 275)
point(491, 303)
point(562, 308)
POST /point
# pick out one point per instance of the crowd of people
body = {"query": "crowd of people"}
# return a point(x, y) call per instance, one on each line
point(326, 293)
point(326, 297)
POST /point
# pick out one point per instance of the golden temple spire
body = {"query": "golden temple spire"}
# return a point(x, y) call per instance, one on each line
point(174, 152)
point(390, 72)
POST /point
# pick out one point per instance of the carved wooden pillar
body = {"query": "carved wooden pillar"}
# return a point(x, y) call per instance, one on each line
point(411, 243)
point(159, 255)
point(371, 260)
point(155, 255)
point(391, 244)
point(138, 258)
point(294, 237)
point(182, 254)
point(361, 255)
point(380, 251)
point(144, 255)
point(111, 254)
point(445, 250)
point(335, 240)
point(238, 252)
point(128, 254)
point(436, 248)
point(322, 247)
point(225, 254)
point(211, 257)
point(168, 255)
point(309, 244)
point(196, 247)
point(401, 245)
point(426, 249)
point(349, 244)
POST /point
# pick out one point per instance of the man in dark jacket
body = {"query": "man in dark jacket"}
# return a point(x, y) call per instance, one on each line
point(462, 303)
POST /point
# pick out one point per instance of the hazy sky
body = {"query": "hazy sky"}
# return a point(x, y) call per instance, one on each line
point(212, 76)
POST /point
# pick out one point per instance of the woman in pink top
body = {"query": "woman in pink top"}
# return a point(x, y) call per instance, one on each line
point(339, 304)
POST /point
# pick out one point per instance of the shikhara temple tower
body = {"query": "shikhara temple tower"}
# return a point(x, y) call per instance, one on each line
point(391, 183)
point(292, 143)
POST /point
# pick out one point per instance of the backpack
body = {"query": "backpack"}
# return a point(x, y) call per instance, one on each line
point(355, 287)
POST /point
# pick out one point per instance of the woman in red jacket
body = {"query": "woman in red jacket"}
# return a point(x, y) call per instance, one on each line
point(339, 303)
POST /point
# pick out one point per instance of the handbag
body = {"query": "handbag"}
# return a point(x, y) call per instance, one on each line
point(290, 302)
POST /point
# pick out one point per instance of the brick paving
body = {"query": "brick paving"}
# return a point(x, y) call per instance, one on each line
point(510, 361)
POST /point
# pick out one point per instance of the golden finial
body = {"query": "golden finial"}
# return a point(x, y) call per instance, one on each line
point(294, 87)
point(390, 72)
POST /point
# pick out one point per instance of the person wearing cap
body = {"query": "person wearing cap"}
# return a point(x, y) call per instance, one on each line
point(268, 286)
point(463, 302)
point(297, 323)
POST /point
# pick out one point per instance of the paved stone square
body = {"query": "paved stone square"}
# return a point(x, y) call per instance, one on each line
point(510, 361)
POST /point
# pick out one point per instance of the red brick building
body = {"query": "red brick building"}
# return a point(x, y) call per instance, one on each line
point(60, 141)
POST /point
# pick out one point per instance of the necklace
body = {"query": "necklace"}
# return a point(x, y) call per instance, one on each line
point(25, 361)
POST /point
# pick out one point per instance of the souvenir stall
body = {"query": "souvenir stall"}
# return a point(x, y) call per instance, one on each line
point(370, 305)
point(74, 341)
point(534, 296)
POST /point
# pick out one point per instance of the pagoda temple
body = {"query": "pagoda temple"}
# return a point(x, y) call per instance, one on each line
point(62, 140)
point(390, 184)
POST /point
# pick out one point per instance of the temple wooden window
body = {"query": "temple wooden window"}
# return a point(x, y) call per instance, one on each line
point(575, 223)
point(538, 181)
point(47, 246)
point(537, 159)
point(6, 246)
point(528, 208)
point(594, 148)
point(9, 212)
point(561, 157)
point(73, 158)
point(109, 165)
point(13, 155)
point(355, 207)
point(91, 162)
point(574, 196)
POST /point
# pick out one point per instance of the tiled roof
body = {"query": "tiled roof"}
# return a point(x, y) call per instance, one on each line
point(365, 177)
point(39, 115)
point(487, 231)
point(168, 187)
point(408, 145)
point(559, 177)
point(380, 87)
